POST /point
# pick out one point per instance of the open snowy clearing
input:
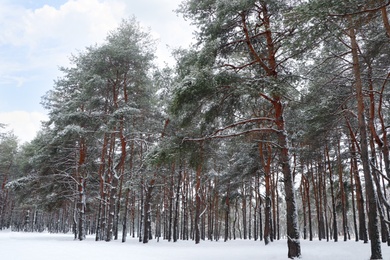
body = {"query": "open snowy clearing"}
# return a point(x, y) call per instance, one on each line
point(43, 246)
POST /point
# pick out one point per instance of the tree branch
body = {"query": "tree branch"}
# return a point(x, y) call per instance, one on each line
point(362, 11)
point(209, 137)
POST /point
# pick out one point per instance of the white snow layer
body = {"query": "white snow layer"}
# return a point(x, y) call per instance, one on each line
point(44, 246)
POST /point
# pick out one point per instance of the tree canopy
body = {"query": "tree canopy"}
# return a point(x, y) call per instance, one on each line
point(273, 124)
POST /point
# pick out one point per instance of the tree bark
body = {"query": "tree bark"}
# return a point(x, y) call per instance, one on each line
point(81, 186)
point(147, 202)
point(359, 191)
point(294, 247)
point(304, 209)
point(331, 183)
point(376, 252)
point(125, 216)
point(111, 207)
point(244, 218)
point(265, 153)
point(176, 218)
point(197, 198)
point(227, 211)
point(342, 192)
point(353, 203)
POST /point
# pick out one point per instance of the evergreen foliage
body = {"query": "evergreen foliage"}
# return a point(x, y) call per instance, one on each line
point(273, 124)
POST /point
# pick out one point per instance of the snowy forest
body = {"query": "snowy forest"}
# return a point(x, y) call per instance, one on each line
point(272, 125)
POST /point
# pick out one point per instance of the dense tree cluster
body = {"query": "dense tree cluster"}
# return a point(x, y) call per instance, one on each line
point(272, 125)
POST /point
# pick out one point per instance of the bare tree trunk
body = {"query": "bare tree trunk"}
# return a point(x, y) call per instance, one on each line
point(227, 211)
point(250, 210)
point(303, 197)
point(317, 193)
point(325, 221)
point(255, 212)
point(112, 207)
point(176, 219)
point(342, 192)
point(277, 228)
point(210, 211)
point(260, 209)
point(331, 183)
point(147, 220)
point(133, 211)
point(198, 199)
point(294, 246)
point(385, 20)
point(98, 221)
point(185, 200)
point(353, 203)
point(216, 212)
point(307, 188)
point(265, 153)
point(81, 209)
point(171, 198)
point(376, 252)
point(141, 210)
point(359, 191)
point(244, 218)
point(125, 216)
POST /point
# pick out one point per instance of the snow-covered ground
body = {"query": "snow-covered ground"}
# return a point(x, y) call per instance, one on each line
point(44, 246)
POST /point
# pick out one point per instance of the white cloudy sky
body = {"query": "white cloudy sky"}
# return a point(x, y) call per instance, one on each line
point(38, 36)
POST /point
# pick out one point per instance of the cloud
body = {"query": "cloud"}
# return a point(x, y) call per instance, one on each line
point(44, 38)
point(36, 38)
point(170, 28)
point(24, 124)
point(75, 23)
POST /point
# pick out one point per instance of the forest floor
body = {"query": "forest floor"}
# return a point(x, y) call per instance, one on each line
point(44, 246)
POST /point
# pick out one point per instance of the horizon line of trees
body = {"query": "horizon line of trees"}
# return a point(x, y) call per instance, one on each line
point(274, 124)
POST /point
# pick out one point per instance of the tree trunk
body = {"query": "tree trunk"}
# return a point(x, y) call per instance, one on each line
point(277, 228)
point(170, 199)
point(265, 153)
point(98, 220)
point(307, 188)
point(260, 209)
point(294, 247)
point(376, 252)
point(185, 200)
point(303, 197)
point(353, 203)
point(112, 207)
point(331, 183)
point(216, 211)
point(244, 218)
point(385, 20)
point(198, 199)
point(227, 211)
point(147, 220)
point(250, 211)
point(141, 211)
point(342, 192)
point(317, 189)
point(81, 209)
point(255, 211)
point(325, 222)
point(132, 213)
point(176, 219)
point(359, 191)
point(125, 216)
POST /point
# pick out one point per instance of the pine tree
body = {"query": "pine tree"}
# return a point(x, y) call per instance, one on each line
point(241, 57)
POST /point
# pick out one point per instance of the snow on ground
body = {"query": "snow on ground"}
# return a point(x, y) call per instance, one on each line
point(44, 246)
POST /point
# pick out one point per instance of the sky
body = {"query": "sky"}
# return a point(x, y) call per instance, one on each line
point(39, 36)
